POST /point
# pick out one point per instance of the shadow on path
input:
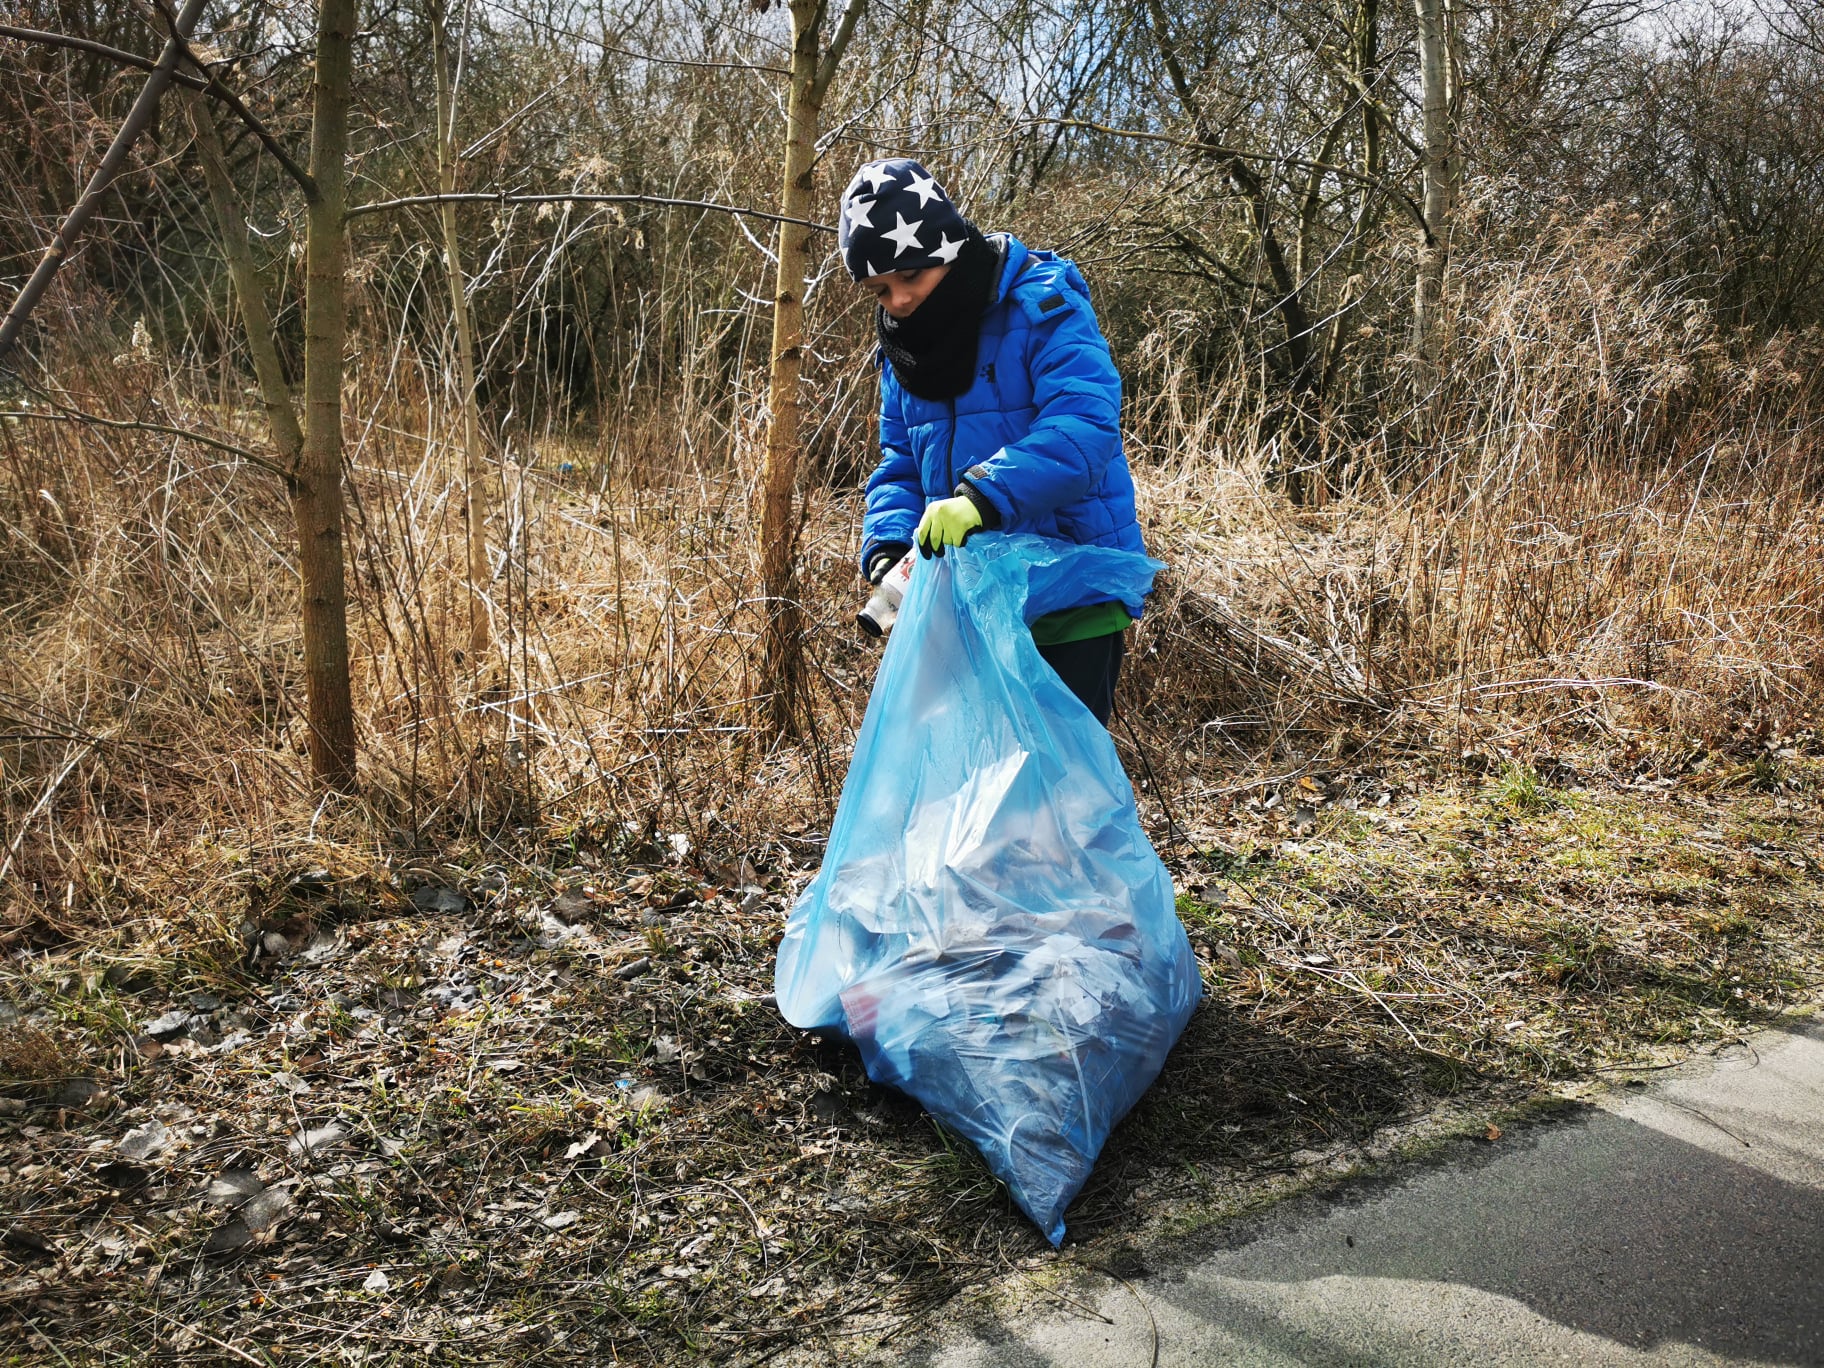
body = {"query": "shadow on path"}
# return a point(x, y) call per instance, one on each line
point(1682, 1223)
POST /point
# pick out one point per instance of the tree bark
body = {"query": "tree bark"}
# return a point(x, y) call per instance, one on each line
point(1439, 182)
point(811, 73)
point(1365, 44)
point(474, 458)
point(316, 496)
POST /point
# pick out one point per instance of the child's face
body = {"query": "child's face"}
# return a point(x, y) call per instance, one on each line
point(901, 292)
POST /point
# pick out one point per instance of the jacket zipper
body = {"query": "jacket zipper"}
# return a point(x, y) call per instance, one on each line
point(950, 451)
point(950, 446)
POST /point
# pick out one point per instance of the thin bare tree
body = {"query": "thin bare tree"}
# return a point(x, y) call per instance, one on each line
point(316, 493)
point(1438, 173)
point(310, 456)
point(250, 289)
point(813, 68)
point(474, 457)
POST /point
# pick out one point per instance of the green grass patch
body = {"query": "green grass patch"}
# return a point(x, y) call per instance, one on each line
point(1519, 792)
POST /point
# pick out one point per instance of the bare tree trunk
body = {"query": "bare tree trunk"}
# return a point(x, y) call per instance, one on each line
point(811, 74)
point(1365, 43)
point(1439, 188)
point(474, 464)
point(249, 290)
point(316, 497)
point(139, 117)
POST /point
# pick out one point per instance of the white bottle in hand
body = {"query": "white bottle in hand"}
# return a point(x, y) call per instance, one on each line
point(877, 616)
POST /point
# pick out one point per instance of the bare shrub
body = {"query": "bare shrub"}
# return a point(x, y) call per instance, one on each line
point(1614, 514)
point(1612, 517)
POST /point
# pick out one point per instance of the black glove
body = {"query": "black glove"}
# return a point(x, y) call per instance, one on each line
point(885, 557)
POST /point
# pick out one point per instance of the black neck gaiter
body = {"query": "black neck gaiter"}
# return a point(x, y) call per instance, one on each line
point(933, 350)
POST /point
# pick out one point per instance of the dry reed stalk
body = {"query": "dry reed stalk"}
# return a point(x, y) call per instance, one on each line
point(1628, 540)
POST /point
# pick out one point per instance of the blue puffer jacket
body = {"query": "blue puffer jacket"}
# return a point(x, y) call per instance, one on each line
point(1038, 433)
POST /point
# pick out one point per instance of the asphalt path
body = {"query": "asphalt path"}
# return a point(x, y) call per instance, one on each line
point(1679, 1222)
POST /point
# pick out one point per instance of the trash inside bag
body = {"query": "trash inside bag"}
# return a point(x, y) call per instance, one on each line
point(990, 925)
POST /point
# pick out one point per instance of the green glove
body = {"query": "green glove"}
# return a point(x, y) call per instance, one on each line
point(948, 522)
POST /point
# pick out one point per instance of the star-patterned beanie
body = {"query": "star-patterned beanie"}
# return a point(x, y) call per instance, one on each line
point(896, 217)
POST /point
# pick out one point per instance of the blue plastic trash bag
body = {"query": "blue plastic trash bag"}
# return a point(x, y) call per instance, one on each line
point(990, 925)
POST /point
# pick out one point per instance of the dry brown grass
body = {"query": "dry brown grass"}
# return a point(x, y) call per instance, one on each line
point(1600, 542)
point(1607, 512)
point(1610, 517)
point(566, 1123)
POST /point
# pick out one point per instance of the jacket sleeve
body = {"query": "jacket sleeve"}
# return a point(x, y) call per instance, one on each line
point(1077, 430)
point(896, 493)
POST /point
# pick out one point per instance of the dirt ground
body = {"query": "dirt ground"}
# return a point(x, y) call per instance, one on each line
point(525, 1104)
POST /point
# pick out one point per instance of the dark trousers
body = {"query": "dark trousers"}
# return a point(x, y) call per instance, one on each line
point(1089, 668)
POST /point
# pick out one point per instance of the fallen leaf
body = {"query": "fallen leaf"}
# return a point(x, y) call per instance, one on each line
point(266, 1210)
point(144, 1141)
point(325, 948)
point(1493, 1133)
point(232, 1188)
point(572, 904)
point(230, 1043)
point(309, 1143)
point(78, 1093)
point(167, 1025)
point(113, 1242)
point(231, 1237)
point(453, 1281)
point(28, 1242)
point(123, 1177)
point(436, 899)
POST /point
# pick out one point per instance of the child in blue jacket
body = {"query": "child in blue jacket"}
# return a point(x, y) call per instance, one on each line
point(1000, 405)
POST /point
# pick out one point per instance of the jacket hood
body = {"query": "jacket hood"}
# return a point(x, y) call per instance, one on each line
point(1014, 255)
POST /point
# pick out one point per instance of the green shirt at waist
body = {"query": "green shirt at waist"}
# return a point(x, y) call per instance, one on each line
point(1080, 624)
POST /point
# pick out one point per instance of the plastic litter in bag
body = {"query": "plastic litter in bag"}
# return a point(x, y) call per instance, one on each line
point(990, 925)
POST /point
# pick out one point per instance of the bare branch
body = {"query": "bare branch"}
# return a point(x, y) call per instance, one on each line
point(161, 9)
point(249, 288)
point(77, 416)
point(70, 230)
point(89, 45)
point(208, 81)
point(215, 87)
point(1212, 149)
point(839, 42)
point(479, 197)
point(685, 61)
